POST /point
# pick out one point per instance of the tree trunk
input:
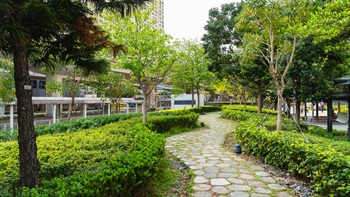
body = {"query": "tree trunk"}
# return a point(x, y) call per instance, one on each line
point(72, 95)
point(289, 112)
point(198, 95)
point(28, 163)
point(192, 102)
point(244, 98)
point(260, 101)
point(144, 109)
point(297, 110)
point(279, 112)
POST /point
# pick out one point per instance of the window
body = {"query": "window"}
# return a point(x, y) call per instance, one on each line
point(42, 84)
point(33, 83)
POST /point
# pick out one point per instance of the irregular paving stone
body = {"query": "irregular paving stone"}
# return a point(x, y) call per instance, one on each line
point(257, 168)
point(239, 187)
point(276, 186)
point(261, 173)
point(202, 151)
point(222, 165)
point(220, 190)
point(244, 171)
point(236, 181)
point(268, 179)
point(227, 175)
point(239, 194)
point(259, 195)
point(206, 165)
point(246, 176)
point(200, 179)
point(214, 161)
point(211, 169)
point(202, 187)
point(263, 190)
point(210, 175)
point(229, 170)
point(219, 182)
point(201, 194)
point(255, 183)
point(284, 194)
point(198, 172)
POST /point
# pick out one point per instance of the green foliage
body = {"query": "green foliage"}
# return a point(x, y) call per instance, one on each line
point(222, 38)
point(163, 124)
point(150, 56)
point(191, 68)
point(71, 126)
point(118, 159)
point(178, 111)
point(253, 109)
point(322, 161)
point(7, 88)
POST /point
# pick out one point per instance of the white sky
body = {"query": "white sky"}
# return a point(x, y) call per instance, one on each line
point(187, 18)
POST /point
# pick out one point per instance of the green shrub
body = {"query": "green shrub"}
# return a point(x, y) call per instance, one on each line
point(248, 108)
point(108, 161)
point(181, 111)
point(118, 159)
point(320, 160)
point(70, 126)
point(163, 124)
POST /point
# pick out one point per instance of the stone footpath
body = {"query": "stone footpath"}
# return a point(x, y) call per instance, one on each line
point(220, 172)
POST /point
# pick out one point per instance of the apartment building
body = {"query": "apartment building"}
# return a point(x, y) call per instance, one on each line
point(158, 13)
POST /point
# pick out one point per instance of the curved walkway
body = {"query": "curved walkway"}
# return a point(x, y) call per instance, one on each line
point(220, 172)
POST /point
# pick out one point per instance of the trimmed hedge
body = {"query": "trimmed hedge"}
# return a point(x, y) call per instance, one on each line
point(70, 126)
point(322, 161)
point(82, 123)
point(198, 110)
point(114, 160)
point(248, 108)
point(163, 124)
point(94, 122)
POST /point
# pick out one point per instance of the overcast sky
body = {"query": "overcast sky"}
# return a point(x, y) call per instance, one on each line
point(186, 18)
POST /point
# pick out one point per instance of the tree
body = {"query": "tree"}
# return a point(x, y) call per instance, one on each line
point(56, 30)
point(7, 88)
point(272, 38)
point(334, 15)
point(315, 67)
point(221, 43)
point(221, 39)
point(191, 70)
point(113, 86)
point(150, 56)
point(71, 84)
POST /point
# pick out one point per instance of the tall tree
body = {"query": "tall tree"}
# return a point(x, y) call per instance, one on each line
point(191, 70)
point(314, 68)
point(60, 29)
point(150, 56)
point(272, 38)
point(221, 38)
point(221, 42)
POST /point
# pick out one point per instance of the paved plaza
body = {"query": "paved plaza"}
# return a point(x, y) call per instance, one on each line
point(219, 172)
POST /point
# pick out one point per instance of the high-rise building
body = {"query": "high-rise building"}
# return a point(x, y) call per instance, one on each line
point(158, 13)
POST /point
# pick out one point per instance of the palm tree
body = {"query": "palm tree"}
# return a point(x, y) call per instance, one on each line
point(56, 30)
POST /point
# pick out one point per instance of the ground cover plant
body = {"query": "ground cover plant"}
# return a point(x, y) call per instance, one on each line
point(118, 159)
point(325, 162)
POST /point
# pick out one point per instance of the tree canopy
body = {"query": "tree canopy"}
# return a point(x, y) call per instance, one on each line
point(44, 32)
point(150, 56)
